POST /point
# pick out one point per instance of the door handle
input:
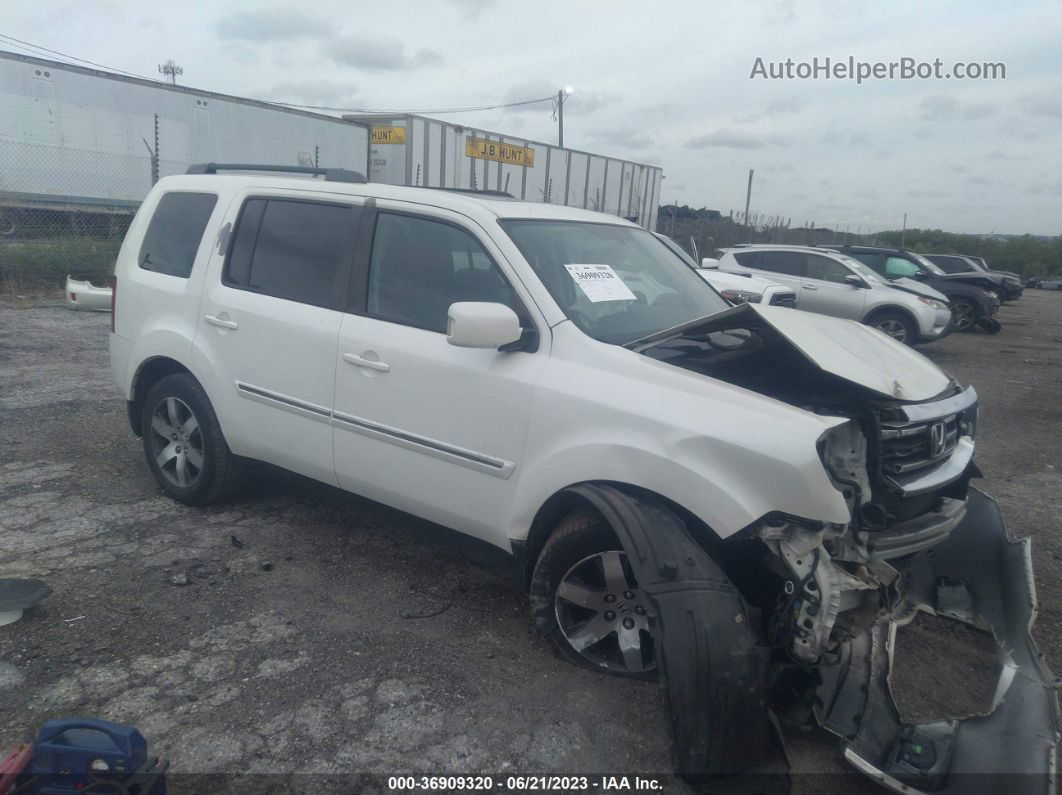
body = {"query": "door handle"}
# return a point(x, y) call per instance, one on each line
point(810, 287)
point(221, 322)
point(369, 364)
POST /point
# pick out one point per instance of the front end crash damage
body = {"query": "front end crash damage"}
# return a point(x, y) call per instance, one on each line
point(716, 660)
point(831, 595)
point(980, 578)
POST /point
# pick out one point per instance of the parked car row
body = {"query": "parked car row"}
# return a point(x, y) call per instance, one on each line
point(902, 293)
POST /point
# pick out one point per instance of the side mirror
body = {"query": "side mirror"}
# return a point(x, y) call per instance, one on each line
point(854, 281)
point(477, 324)
point(709, 262)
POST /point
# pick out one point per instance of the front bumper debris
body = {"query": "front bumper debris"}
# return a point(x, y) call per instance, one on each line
point(980, 578)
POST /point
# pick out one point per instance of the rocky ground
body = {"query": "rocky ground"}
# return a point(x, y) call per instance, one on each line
point(300, 631)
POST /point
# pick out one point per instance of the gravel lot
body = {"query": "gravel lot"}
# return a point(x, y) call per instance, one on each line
point(317, 632)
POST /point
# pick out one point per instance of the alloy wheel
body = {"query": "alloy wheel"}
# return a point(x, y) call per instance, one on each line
point(894, 328)
point(963, 313)
point(176, 442)
point(604, 616)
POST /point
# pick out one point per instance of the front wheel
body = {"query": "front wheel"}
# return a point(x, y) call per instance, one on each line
point(966, 314)
point(586, 600)
point(183, 443)
point(897, 326)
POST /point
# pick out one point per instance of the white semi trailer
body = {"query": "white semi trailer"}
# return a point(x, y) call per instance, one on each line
point(407, 149)
point(79, 138)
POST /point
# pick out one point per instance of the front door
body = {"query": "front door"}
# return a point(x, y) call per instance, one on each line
point(419, 424)
point(824, 289)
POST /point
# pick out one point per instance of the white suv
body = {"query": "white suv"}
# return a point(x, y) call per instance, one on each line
point(835, 284)
point(683, 485)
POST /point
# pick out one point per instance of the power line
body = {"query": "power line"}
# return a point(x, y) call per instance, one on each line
point(26, 44)
point(471, 109)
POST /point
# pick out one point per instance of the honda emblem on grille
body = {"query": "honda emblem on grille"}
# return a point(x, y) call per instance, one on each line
point(938, 439)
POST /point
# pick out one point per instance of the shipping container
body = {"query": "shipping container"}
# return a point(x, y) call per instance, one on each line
point(76, 137)
point(407, 149)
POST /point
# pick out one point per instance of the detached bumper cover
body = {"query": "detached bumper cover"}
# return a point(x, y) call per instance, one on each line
point(979, 577)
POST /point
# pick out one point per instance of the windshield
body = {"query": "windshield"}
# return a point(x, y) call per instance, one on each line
point(616, 283)
point(861, 269)
point(929, 265)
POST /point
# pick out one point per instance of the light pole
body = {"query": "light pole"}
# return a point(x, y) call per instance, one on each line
point(562, 95)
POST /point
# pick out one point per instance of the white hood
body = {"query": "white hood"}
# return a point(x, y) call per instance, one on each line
point(917, 288)
point(844, 348)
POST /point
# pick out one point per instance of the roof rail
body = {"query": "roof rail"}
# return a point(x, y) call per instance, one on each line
point(330, 174)
point(474, 191)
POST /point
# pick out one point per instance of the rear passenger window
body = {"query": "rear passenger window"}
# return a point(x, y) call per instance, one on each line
point(419, 267)
point(296, 250)
point(175, 231)
point(750, 259)
point(790, 263)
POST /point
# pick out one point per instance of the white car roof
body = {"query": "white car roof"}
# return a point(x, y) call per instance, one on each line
point(470, 204)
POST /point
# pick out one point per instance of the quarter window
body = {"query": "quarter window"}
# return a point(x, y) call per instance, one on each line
point(419, 267)
point(296, 250)
point(175, 231)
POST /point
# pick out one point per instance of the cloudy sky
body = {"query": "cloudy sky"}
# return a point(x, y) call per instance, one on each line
point(661, 83)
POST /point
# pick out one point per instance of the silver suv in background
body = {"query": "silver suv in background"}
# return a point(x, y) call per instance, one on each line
point(737, 288)
point(832, 283)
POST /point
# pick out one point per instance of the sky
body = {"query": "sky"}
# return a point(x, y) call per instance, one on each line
point(668, 84)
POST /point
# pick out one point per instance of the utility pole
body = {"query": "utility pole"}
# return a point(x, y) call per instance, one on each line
point(903, 233)
point(562, 95)
point(170, 70)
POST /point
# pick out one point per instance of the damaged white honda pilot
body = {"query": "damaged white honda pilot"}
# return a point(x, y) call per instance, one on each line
point(744, 501)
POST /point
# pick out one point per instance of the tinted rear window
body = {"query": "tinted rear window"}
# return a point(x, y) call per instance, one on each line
point(175, 231)
point(292, 249)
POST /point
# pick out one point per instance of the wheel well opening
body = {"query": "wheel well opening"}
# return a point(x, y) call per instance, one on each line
point(565, 501)
point(149, 374)
point(893, 310)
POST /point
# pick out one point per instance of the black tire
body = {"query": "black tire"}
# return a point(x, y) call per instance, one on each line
point(580, 536)
point(967, 314)
point(894, 324)
point(219, 473)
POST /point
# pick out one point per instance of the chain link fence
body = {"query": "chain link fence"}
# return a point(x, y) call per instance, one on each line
point(64, 211)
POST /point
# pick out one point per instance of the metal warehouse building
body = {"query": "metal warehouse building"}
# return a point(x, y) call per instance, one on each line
point(415, 150)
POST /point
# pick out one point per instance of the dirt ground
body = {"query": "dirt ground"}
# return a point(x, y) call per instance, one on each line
point(300, 630)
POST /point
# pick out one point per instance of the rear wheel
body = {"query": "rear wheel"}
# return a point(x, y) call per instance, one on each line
point(897, 326)
point(587, 600)
point(966, 314)
point(183, 443)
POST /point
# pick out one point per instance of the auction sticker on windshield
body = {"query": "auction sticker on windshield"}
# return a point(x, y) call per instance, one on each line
point(600, 283)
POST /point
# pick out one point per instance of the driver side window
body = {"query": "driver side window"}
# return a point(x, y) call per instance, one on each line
point(826, 269)
point(897, 266)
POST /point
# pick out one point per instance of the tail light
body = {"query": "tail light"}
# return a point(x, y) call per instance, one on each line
point(114, 299)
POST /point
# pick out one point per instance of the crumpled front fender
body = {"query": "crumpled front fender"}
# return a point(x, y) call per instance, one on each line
point(1012, 748)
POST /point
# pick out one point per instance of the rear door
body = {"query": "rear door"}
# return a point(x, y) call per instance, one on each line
point(784, 267)
point(422, 425)
point(268, 326)
point(823, 289)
